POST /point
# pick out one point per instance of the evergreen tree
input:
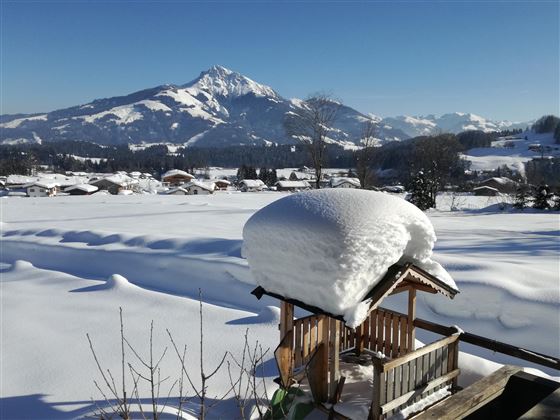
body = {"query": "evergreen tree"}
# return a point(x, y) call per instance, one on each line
point(521, 197)
point(263, 175)
point(272, 177)
point(541, 196)
point(293, 177)
point(242, 173)
point(556, 205)
point(420, 192)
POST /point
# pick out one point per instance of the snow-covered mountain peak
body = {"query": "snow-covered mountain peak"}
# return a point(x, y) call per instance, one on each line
point(218, 80)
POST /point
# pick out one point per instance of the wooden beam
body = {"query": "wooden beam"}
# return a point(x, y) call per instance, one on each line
point(334, 359)
point(497, 346)
point(393, 363)
point(316, 374)
point(411, 317)
point(470, 399)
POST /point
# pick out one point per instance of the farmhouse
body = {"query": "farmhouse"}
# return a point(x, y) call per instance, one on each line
point(486, 191)
point(221, 184)
point(199, 188)
point(345, 182)
point(41, 189)
point(292, 185)
point(251, 185)
point(114, 183)
point(177, 191)
point(176, 177)
point(501, 184)
point(81, 189)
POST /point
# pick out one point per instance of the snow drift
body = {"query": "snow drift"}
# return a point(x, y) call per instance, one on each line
point(328, 248)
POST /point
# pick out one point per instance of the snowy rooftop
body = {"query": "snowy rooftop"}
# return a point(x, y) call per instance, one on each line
point(175, 172)
point(253, 183)
point(293, 184)
point(329, 248)
point(84, 187)
point(335, 182)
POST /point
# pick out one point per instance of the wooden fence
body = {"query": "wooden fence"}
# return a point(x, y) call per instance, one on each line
point(400, 382)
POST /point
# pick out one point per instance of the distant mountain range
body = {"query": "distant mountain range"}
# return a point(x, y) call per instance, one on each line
point(219, 108)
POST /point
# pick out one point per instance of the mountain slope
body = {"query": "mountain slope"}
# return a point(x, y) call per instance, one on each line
point(219, 108)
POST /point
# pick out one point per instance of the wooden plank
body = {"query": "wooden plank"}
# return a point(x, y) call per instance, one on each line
point(403, 344)
point(409, 396)
point(359, 338)
point(380, 334)
point(387, 337)
point(286, 318)
point(323, 327)
point(373, 331)
point(405, 378)
point(398, 381)
point(297, 346)
point(390, 378)
point(497, 346)
point(421, 351)
point(283, 356)
point(395, 337)
point(473, 397)
point(412, 374)
point(411, 317)
point(365, 334)
point(444, 352)
point(316, 374)
point(334, 357)
point(305, 339)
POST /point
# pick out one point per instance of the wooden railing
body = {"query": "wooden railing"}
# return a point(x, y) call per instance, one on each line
point(386, 331)
point(307, 335)
point(400, 382)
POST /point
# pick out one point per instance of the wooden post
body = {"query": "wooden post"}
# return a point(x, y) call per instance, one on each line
point(359, 339)
point(375, 410)
point(334, 356)
point(286, 348)
point(411, 317)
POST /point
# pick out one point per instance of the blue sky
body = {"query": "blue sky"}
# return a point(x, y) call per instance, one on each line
point(496, 59)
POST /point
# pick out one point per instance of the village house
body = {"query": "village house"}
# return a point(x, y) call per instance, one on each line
point(177, 191)
point(81, 189)
point(501, 184)
point(486, 191)
point(41, 189)
point(199, 188)
point(176, 177)
point(345, 182)
point(114, 183)
point(221, 184)
point(292, 185)
point(251, 185)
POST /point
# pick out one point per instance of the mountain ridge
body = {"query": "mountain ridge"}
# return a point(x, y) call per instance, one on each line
point(218, 108)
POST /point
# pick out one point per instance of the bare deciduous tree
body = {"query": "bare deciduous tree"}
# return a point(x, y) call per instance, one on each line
point(364, 156)
point(311, 125)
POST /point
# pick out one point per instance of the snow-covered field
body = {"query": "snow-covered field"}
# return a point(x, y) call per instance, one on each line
point(59, 256)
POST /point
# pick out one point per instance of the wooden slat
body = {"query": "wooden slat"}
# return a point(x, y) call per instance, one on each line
point(380, 334)
point(316, 374)
point(283, 355)
point(473, 397)
point(387, 335)
point(365, 334)
point(373, 330)
point(297, 347)
point(305, 341)
point(414, 394)
point(403, 344)
point(395, 337)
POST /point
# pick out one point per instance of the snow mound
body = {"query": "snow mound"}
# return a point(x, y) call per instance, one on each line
point(328, 248)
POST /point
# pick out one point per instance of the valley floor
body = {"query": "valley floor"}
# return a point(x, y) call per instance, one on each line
point(69, 263)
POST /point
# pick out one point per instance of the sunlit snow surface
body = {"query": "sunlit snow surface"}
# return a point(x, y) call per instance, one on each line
point(164, 248)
